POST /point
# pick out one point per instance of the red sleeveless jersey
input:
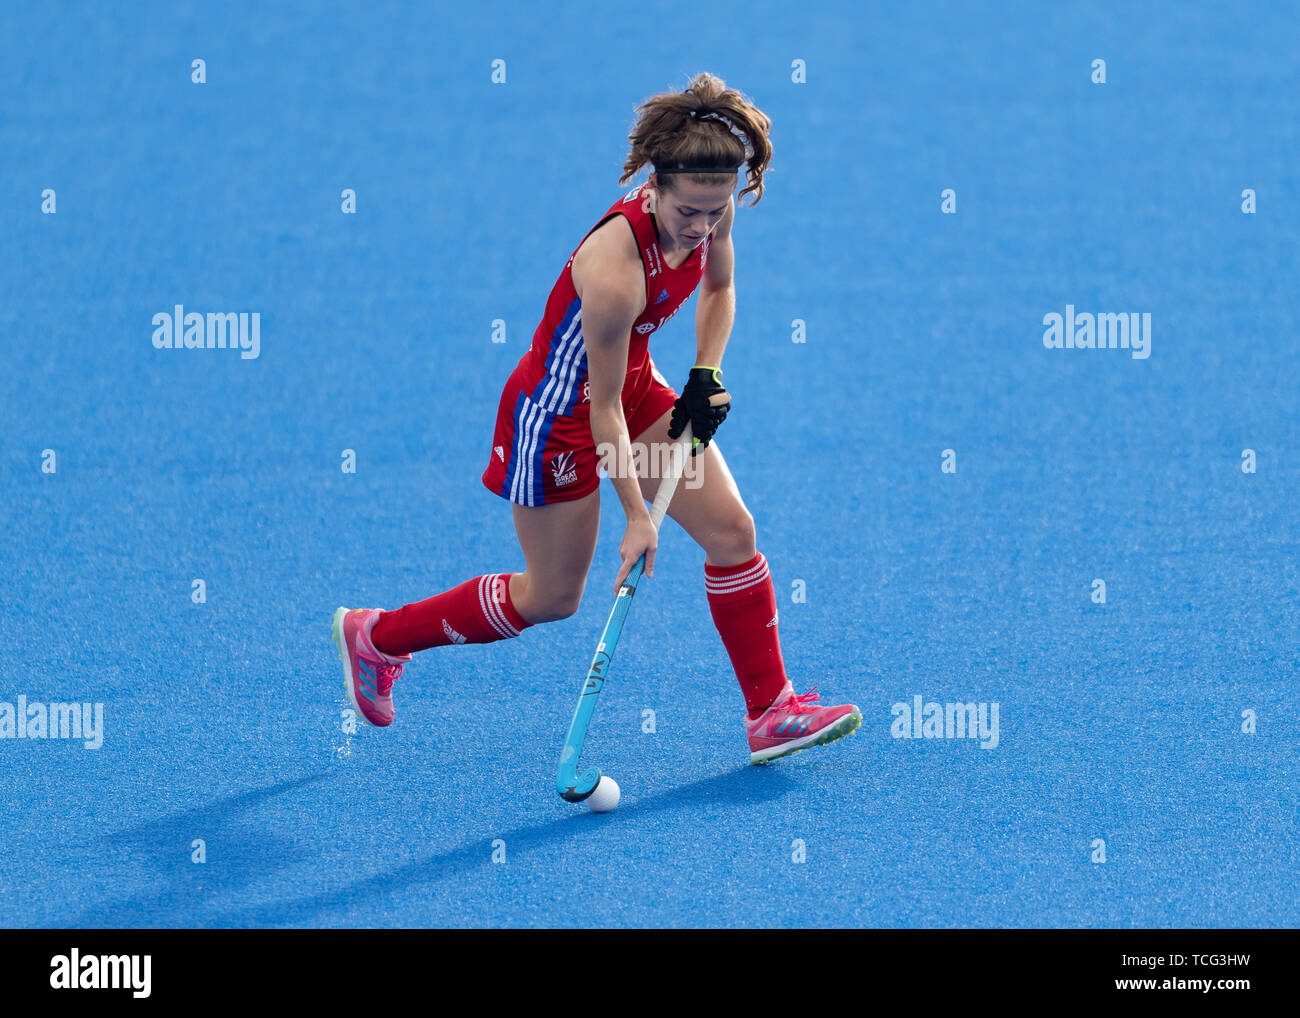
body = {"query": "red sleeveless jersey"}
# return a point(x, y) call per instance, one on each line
point(542, 446)
point(558, 353)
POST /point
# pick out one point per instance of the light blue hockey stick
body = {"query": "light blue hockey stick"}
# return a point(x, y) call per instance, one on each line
point(568, 782)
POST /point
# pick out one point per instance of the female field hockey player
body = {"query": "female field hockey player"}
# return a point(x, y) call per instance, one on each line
point(588, 382)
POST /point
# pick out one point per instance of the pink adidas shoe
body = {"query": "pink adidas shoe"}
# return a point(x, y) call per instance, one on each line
point(368, 673)
point(796, 721)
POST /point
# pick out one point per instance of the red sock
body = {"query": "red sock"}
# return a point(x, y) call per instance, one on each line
point(743, 603)
point(478, 611)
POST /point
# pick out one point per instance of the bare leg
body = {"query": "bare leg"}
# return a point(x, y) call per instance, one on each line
point(714, 513)
point(558, 542)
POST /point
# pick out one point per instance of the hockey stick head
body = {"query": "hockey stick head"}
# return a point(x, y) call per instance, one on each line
point(574, 787)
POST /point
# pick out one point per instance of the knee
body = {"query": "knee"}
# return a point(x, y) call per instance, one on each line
point(551, 605)
point(735, 539)
point(566, 604)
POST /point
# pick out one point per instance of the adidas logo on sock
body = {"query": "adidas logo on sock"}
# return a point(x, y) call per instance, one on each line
point(452, 635)
point(773, 622)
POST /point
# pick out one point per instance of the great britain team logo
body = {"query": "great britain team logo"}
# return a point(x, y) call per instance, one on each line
point(563, 470)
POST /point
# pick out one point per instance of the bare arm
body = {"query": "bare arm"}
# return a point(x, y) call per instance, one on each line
point(612, 289)
point(715, 310)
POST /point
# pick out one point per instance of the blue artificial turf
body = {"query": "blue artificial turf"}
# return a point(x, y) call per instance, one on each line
point(1119, 721)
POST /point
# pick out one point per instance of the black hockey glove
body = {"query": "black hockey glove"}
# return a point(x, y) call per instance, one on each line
point(700, 404)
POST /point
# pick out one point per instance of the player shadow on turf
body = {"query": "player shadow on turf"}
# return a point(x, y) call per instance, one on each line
point(243, 850)
point(743, 788)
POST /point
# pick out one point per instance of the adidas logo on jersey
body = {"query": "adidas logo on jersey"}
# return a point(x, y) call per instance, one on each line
point(563, 470)
point(773, 622)
point(662, 297)
point(501, 454)
point(452, 635)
